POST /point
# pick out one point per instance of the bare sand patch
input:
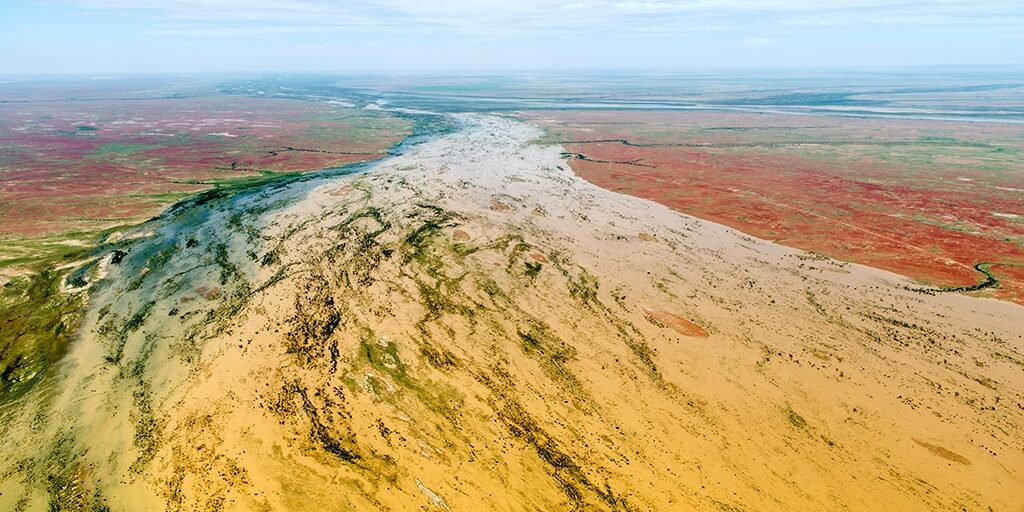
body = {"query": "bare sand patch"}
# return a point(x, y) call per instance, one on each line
point(676, 323)
point(945, 453)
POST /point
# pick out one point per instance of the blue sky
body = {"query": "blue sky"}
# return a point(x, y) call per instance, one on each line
point(136, 36)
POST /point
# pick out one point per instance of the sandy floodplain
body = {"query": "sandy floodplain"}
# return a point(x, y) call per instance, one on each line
point(469, 326)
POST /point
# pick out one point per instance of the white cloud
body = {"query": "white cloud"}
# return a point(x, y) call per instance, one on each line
point(758, 41)
point(517, 16)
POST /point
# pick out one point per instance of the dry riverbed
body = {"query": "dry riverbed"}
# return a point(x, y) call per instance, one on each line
point(469, 326)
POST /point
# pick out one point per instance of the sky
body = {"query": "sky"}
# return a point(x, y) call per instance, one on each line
point(147, 36)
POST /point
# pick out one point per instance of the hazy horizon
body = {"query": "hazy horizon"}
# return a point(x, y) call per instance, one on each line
point(53, 37)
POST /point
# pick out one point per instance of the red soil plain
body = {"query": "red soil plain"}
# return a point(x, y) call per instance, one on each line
point(80, 166)
point(922, 198)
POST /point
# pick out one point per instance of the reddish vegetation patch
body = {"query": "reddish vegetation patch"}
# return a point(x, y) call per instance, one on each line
point(676, 323)
point(1011, 282)
point(944, 453)
point(342, 190)
point(460, 236)
point(208, 293)
point(499, 206)
point(925, 199)
point(90, 164)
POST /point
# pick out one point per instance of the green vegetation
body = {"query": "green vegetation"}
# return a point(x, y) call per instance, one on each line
point(532, 269)
point(795, 419)
point(66, 475)
point(30, 255)
point(35, 315)
point(116, 335)
point(325, 412)
point(120, 149)
point(313, 323)
point(418, 241)
point(813, 301)
point(560, 464)
point(37, 322)
point(583, 287)
point(382, 355)
point(553, 355)
point(437, 302)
